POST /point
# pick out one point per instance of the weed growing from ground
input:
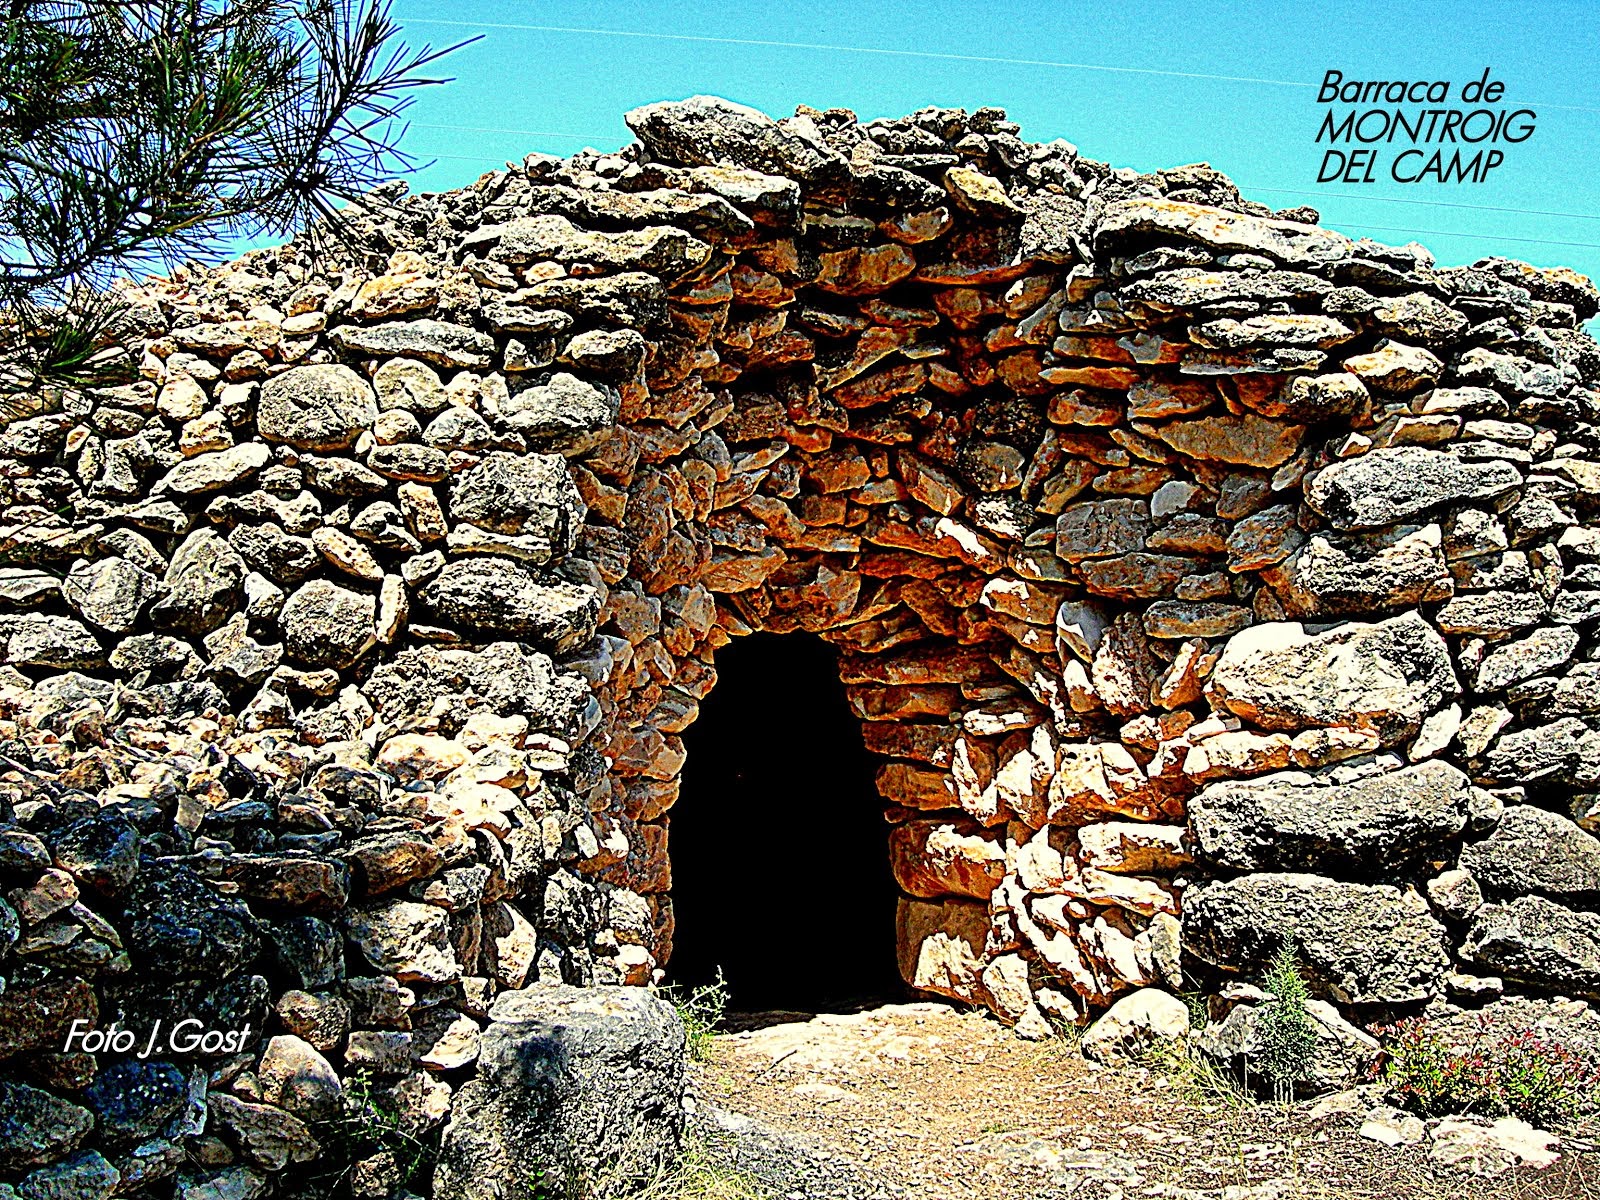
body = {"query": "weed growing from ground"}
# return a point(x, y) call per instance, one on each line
point(1286, 1032)
point(701, 1010)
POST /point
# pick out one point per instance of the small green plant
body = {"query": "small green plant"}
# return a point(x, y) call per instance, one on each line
point(369, 1124)
point(700, 1009)
point(700, 1174)
point(1195, 1076)
point(1491, 1073)
point(1286, 1032)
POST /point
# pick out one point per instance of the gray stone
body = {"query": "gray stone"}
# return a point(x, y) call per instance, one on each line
point(1385, 677)
point(661, 250)
point(1537, 941)
point(1456, 894)
point(1541, 651)
point(565, 413)
point(408, 940)
point(296, 1078)
point(436, 342)
point(1291, 821)
point(522, 494)
point(569, 1079)
point(281, 557)
point(185, 929)
point(1533, 850)
point(1340, 1058)
point(500, 595)
point(204, 582)
point(1491, 614)
point(1102, 528)
point(110, 593)
point(37, 1128)
point(84, 1176)
point(325, 625)
point(1363, 575)
point(1360, 944)
point(321, 407)
point(216, 469)
point(1383, 487)
point(45, 640)
point(1566, 750)
point(713, 132)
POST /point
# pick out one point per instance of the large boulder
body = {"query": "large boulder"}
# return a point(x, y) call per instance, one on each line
point(1385, 677)
point(1384, 487)
point(1293, 821)
point(1537, 941)
point(1534, 850)
point(1360, 944)
point(571, 1082)
point(322, 407)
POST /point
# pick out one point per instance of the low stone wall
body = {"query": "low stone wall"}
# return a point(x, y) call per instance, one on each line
point(1202, 576)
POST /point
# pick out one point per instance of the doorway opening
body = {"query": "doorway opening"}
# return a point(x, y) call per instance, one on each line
point(780, 860)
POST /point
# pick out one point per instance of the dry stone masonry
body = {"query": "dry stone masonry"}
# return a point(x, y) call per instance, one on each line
point(1203, 577)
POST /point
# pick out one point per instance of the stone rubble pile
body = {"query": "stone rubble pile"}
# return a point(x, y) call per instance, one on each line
point(1202, 577)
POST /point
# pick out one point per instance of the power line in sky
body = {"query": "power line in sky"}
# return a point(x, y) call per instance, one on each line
point(884, 50)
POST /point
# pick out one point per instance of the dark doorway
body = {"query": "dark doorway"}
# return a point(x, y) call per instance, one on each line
point(780, 862)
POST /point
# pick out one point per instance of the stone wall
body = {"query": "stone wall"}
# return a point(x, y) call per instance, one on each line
point(1202, 576)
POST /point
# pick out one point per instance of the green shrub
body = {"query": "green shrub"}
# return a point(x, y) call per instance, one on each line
point(700, 1009)
point(1495, 1074)
point(1286, 1032)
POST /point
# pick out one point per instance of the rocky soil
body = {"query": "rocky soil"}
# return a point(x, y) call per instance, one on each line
point(923, 1101)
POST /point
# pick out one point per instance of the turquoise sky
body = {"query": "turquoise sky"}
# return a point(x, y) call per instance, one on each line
point(1137, 83)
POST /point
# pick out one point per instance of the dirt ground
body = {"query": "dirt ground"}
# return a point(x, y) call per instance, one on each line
point(924, 1101)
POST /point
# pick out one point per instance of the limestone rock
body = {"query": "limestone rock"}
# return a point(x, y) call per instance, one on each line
point(1383, 487)
point(569, 1079)
point(1367, 575)
point(1385, 677)
point(710, 131)
point(1534, 850)
point(502, 596)
point(322, 407)
point(325, 625)
point(1360, 944)
point(436, 342)
point(410, 941)
point(1540, 942)
point(296, 1078)
point(1134, 1024)
point(216, 469)
point(529, 494)
point(36, 1127)
point(1341, 1056)
point(1292, 822)
point(110, 593)
point(203, 584)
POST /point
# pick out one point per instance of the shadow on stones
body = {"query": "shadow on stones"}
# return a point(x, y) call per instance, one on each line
point(780, 861)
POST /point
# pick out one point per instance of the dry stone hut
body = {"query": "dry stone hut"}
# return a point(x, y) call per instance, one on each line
point(1199, 575)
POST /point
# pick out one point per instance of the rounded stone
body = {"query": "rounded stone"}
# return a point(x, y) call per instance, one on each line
point(322, 407)
point(325, 625)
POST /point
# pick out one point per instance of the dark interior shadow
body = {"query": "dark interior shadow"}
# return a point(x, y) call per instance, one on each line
point(780, 860)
